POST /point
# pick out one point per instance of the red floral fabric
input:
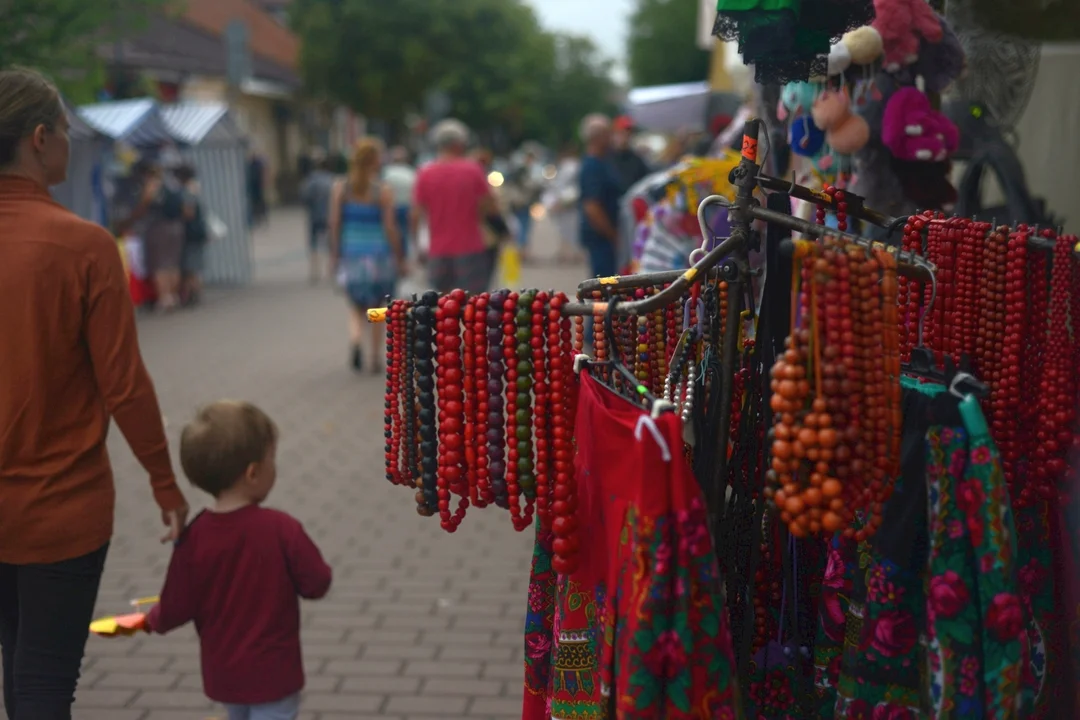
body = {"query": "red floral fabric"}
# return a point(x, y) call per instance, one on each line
point(639, 631)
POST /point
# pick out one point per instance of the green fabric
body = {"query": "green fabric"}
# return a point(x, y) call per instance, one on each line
point(763, 6)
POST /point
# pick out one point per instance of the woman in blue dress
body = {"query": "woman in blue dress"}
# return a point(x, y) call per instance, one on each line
point(365, 246)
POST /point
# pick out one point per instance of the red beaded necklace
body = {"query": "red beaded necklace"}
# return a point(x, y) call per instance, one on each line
point(451, 409)
point(392, 419)
point(541, 407)
point(564, 494)
point(484, 494)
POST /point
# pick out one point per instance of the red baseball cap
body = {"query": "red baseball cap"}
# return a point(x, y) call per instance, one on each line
point(623, 122)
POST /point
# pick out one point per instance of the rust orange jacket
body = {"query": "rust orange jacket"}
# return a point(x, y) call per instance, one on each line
point(69, 359)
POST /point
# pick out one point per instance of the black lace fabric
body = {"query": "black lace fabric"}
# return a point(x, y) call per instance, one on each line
point(791, 44)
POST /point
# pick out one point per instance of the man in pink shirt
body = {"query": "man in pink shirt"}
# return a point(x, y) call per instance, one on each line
point(453, 196)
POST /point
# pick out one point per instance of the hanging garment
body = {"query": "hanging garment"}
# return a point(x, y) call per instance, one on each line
point(639, 630)
point(937, 626)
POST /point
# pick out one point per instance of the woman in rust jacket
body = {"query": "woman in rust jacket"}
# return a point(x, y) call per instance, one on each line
point(69, 360)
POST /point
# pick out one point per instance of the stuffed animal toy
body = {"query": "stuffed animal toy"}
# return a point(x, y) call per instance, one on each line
point(806, 138)
point(796, 98)
point(839, 59)
point(901, 23)
point(845, 132)
point(939, 63)
point(863, 45)
point(913, 131)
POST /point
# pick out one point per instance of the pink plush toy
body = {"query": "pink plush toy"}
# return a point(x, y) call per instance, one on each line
point(912, 130)
point(900, 24)
point(845, 132)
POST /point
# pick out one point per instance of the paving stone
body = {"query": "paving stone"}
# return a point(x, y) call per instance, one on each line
point(408, 614)
point(136, 681)
point(130, 664)
point(398, 652)
point(107, 714)
point(342, 703)
point(459, 637)
point(93, 698)
point(504, 671)
point(443, 669)
point(488, 653)
point(364, 668)
point(172, 699)
point(440, 705)
point(495, 706)
point(462, 686)
point(376, 685)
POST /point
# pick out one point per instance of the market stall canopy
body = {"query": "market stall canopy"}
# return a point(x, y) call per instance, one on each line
point(135, 122)
point(200, 123)
point(670, 108)
point(78, 129)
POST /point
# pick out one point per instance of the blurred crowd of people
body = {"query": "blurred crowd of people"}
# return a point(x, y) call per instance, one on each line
point(159, 217)
point(455, 213)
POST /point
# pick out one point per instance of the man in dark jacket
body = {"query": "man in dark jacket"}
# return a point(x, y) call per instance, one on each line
point(628, 165)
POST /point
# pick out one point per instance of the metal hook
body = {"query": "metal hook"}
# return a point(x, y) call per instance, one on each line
point(957, 379)
point(706, 232)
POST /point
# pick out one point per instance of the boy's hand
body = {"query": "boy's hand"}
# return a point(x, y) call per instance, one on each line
point(175, 521)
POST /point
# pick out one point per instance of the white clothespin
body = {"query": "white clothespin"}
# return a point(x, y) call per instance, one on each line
point(661, 405)
point(579, 362)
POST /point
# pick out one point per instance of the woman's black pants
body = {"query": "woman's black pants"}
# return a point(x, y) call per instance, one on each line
point(45, 614)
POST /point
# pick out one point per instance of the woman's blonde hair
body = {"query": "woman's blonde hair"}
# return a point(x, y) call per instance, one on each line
point(364, 165)
point(27, 100)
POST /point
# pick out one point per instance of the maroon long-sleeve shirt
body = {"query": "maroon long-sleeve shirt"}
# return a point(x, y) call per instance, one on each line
point(239, 577)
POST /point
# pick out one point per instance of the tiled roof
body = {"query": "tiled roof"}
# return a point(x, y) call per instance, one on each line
point(268, 38)
point(177, 45)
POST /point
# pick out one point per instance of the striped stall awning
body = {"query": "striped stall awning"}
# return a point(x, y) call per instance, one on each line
point(194, 123)
point(78, 129)
point(136, 122)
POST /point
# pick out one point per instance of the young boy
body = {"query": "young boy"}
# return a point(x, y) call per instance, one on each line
point(238, 569)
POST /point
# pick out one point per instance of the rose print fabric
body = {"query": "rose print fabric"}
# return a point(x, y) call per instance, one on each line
point(976, 622)
point(639, 630)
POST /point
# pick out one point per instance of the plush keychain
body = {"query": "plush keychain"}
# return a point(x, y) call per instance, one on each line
point(912, 130)
point(804, 137)
point(901, 24)
point(845, 132)
point(863, 44)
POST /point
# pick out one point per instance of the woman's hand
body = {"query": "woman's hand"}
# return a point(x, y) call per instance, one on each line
point(175, 520)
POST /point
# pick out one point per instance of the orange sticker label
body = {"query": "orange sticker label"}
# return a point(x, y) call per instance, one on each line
point(749, 148)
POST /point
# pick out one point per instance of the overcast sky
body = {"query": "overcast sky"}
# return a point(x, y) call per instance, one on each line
point(605, 20)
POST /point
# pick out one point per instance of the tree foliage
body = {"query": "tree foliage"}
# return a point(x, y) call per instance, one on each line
point(662, 47)
point(503, 74)
point(63, 37)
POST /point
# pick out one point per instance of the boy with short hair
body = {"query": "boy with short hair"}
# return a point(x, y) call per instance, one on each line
point(239, 569)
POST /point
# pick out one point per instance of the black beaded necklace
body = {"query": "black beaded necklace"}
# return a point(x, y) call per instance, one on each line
point(427, 496)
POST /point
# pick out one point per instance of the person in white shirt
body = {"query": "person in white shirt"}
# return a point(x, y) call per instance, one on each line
point(400, 177)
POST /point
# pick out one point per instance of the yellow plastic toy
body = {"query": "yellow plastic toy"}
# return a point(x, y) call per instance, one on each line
point(123, 625)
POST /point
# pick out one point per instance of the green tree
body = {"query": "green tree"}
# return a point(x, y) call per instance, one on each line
point(503, 73)
point(661, 48)
point(579, 84)
point(63, 38)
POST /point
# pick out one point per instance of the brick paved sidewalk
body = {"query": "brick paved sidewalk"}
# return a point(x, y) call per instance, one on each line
point(418, 624)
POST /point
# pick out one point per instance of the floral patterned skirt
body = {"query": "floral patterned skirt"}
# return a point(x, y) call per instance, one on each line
point(639, 631)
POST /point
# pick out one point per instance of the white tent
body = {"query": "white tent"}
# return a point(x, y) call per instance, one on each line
point(210, 140)
point(670, 108)
point(134, 122)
